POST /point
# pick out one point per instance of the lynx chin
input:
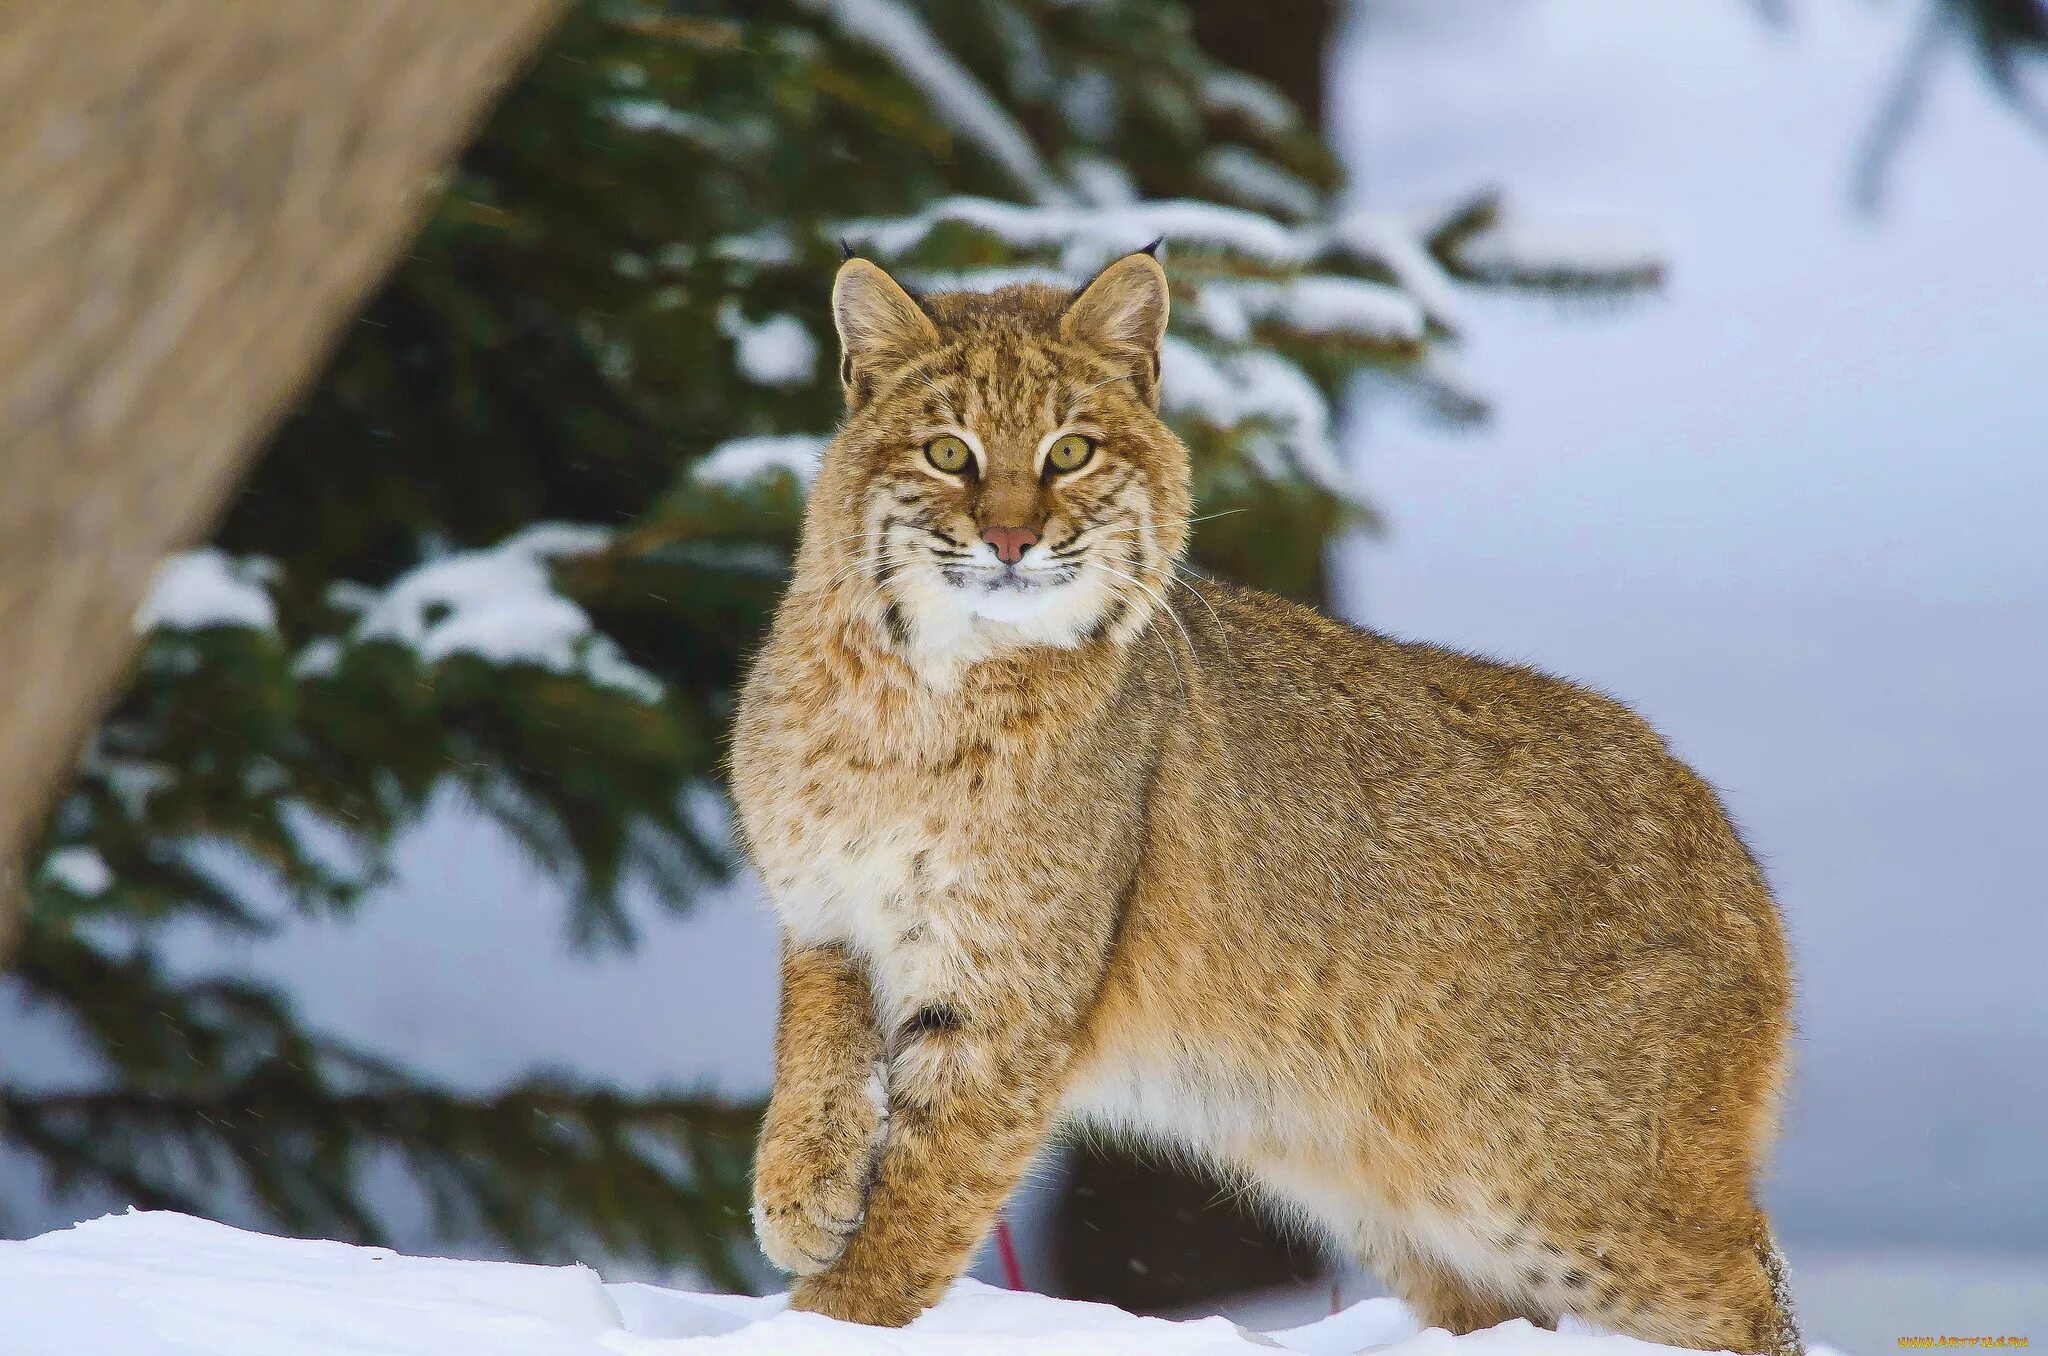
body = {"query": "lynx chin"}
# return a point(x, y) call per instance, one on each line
point(1450, 960)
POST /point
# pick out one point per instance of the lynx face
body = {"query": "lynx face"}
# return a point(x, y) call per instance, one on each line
point(1003, 478)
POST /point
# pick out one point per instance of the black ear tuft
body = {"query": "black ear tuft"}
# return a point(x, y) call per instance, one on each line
point(846, 249)
point(1153, 248)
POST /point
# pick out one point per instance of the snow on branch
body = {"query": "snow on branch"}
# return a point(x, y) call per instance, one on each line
point(1324, 306)
point(1394, 245)
point(1481, 240)
point(740, 460)
point(1251, 178)
point(500, 605)
point(1530, 255)
point(1089, 237)
point(989, 279)
point(1261, 389)
point(79, 869)
point(207, 588)
point(1258, 103)
point(775, 351)
point(896, 33)
point(652, 115)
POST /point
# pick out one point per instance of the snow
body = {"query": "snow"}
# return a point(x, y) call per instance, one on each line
point(321, 658)
point(206, 588)
point(1324, 305)
point(900, 36)
point(775, 351)
point(1393, 245)
point(989, 278)
point(500, 605)
point(1254, 179)
point(131, 781)
point(162, 1284)
point(79, 869)
point(1089, 237)
point(743, 459)
point(651, 115)
point(1252, 99)
point(1547, 254)
point(1100, 180)
point(1225, 390)
point(768, 246)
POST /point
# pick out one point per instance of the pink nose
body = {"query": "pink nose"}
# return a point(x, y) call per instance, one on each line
point(1010, 542)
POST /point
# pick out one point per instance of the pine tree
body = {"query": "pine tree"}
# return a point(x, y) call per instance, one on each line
point(2005, 40)
point(519, 539)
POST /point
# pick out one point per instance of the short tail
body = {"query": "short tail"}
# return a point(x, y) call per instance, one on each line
point(1785, 1341)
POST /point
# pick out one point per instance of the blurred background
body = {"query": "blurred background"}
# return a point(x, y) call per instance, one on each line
point(1691, 350)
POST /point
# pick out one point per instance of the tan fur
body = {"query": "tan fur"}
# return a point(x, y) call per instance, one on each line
point(1449, 957)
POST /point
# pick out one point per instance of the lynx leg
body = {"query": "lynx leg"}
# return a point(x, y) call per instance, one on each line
point(959, 1141)
point(975, 1075)
point(1727, 1294)
point(1683, 1278)
point(1441, 1298)
point(1396, 1246)
point(823, 1126)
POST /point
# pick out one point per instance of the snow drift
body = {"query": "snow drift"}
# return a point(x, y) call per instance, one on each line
point(158, 1284)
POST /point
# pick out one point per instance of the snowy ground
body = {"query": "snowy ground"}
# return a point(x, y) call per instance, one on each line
point(158, 1284)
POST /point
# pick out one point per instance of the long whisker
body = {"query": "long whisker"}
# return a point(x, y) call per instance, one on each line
point(1142, 547)
point(893, 556)
point(866, 532)
point(1179, 522)
point(1180, 574)
point(1151, 624)
point(1107, 530)
point(1205, 517)
point(823, 542)
point(1160, 604)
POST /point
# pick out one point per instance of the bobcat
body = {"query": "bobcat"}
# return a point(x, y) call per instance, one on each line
point(1450, 959)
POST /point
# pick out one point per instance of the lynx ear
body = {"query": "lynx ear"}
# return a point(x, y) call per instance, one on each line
point(1123, 313)
point(880, 325)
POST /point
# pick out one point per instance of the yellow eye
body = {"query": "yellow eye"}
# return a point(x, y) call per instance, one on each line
point(949, 454)
point(1070, 453)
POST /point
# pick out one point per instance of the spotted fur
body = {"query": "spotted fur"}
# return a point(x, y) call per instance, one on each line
point(1450, 959)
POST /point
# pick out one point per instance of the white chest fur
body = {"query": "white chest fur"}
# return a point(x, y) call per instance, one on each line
point(875, 865)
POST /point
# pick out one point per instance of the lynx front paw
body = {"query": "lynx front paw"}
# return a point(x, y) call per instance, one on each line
point(811, 1183)
point(804, 1229)
point(856, 1300)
